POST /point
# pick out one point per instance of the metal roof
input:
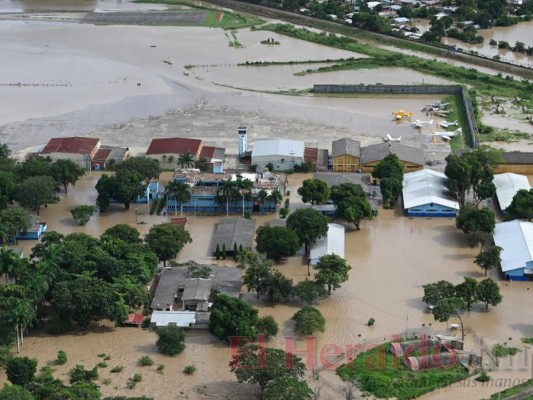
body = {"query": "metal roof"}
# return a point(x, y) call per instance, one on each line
point(517, 157)
point(197, 289)
point(516, 239)
point(175, 146)
point(346, 146)
point(185, 319)
point(425, 187)
point(378, 152)
point(332, 243)
point(76, 145)
point(233, 230)
point(278, 147)
point(507, 185)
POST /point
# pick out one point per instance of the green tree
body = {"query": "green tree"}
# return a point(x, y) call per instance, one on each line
point(351, 203)
point(186, 160)
point(15, 220)
point(123, 187)
point(288, 388)
point(489, 258)
point(260, 366)
point(83, 213)
point(147, 168)
point(170, 340)
point(123, 232)
point(332, 270)
point(434, 292)
point(21, 370)
point(21, 315)
point(309, 225)
point(308, 321)
point(15, 392)
point(314, 191)
point(467, 291)
point(66, 172)
point(277, 288)
point(34, 167)
point(447, 308)
point(458, 172)
point(180, 192)
point(277, 242)
point(521, 207)
point(80, 374)
point(390, 173)
point(167, 240)
point(257, 273)
point(244, 186)
point(10, 263)
point(227, 192)
point(232, 317)
point(267, 325)
point(35, 192)
point(471, 219)
point(7, 188)
point(489, 293)
point(309, 291)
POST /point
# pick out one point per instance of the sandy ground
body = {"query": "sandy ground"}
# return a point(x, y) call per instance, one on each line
point(87, 83)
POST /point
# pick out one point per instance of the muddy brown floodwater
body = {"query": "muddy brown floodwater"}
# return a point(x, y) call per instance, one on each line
point(391, 256)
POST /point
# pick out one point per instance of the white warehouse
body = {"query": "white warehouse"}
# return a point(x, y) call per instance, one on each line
point(283, 154)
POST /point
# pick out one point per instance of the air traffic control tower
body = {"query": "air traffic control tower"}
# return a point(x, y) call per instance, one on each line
point(243, 140)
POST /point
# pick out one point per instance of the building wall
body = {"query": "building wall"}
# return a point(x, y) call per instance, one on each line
point(206, 204)
point(83, 160)
point(431, 210)
point(516, 275)
point(407, 166)
point(345, 163)
point(526, 169)
point(288, 162)
point(163, 159)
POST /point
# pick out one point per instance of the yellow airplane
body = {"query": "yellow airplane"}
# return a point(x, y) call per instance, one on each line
point(401, 114)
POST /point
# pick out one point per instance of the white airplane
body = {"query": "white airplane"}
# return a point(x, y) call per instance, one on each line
point(389, 138)
point(446, 124)
point(419, 124)
point(447, 135)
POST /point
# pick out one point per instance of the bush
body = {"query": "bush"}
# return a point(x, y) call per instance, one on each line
point(132, 382)
point(80, 374)
point(308, 321)
point(5, 356)
point(170, 340)
point(101, 364)
point(501, 350)
point(21, 370)
point(189, 369)
point(371, 322)
point(61, 357)
point(267, 325)
point(58, 325)
point(483, 377)
point(160, 368)
point(117, 369)
point(146, 323)
point(146, 361)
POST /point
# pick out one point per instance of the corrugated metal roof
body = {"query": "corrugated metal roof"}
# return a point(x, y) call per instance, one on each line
point(424, 187)
point(184, 319)
point(517, 157)
point(333, 243)
point(507, 185)
point(378, 152)
point(174, 146)
point(76, 145)
point(345, 146)
point(230, 231)
point(278, 147)
point(516, 239)
point(197, 289)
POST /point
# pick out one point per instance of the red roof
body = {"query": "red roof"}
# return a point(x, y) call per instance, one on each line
point(101, 156)
point(174, 145)
point(182, 221)
point(78, 145)
point(207, 152)
point(134, 319)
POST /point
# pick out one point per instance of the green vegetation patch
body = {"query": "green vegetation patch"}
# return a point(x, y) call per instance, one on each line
point(383, 375)
point(502, 350)
point(505, 394)
point(227, 20)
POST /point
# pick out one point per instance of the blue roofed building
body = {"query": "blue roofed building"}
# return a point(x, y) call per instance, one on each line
point(425, 194)
point(516, 239)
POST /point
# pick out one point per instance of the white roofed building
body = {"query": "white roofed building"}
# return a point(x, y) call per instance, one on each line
point(516, 239)
point(332, 243)
point(283, 154)
point(425, 194)
point(507, 185)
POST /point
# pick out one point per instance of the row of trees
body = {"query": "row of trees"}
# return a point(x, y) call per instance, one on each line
point(446, 300)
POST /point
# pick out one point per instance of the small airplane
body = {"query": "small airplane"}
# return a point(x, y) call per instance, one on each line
point(447, 135)
point(401, 114)
point(446, 124)
point(389, 138)
point(419, 124)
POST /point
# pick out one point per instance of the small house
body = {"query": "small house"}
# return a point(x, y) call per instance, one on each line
point(80, 150)
point(507, 185)
point(346, 154)
point(332, 243)
point(516, 239)
point(34, 233)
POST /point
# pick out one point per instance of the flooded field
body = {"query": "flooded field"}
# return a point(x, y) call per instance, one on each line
point(391, 258)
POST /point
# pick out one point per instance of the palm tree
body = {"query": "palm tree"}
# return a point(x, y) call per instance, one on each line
point(226, 192)
point(186, 160)
point(275, 197)
point(181, 192)
point(10, 262)
point(245, 187)
point(171, 159)
point(22, 315)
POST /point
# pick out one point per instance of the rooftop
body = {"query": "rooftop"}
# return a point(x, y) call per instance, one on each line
point(174, 146)
point(346, 146)
point(378, 152)
point(333, 243)
point(506, 187)
point(517, 157)
point(76, 144)
point(197, 289)
point(516, 239)
point(212, 153)
point(231, 231)
point(278, 147)
point(426, 186)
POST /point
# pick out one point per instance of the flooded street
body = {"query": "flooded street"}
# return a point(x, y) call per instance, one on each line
point(391, 256)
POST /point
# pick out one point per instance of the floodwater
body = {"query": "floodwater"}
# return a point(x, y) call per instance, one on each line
point(520, 32)
point(33, 6)
point(391, 257)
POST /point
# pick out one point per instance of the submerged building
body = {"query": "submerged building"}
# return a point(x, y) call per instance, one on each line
point(516, 239)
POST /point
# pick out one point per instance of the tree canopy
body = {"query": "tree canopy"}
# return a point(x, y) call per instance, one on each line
point(351, 203)
point(521, 207)
point(489, 258)
point(83, 213)
point(277, 242)
point(35, 192)
point(14, 220)
point(308, 321)
point(389, 171)
point(167, 240)
point(123, 187)
point(66, 172)
point(147, 168)
point(170, 340)
point(123, 232)
point(232, 317)
point(309, 225)
point(489, 293)
point(314, 191)
point(472, 219)
point(332, 270)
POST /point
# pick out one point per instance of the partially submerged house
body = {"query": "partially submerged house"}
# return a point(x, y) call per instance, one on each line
point(517, 162)
point(35, 232)
point(231, 232)
point(516, 239)
point(507, 185)
point(332, 243)
point(346, 154)
point(411, 158)
point(425, 194)
point(80, 150)
point(163, 148)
